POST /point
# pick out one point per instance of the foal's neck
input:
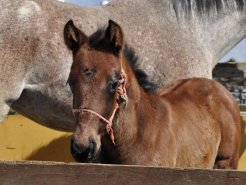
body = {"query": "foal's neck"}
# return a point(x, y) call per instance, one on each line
point(134, 118)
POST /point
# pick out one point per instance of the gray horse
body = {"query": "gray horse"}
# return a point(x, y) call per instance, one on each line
point(172, 38)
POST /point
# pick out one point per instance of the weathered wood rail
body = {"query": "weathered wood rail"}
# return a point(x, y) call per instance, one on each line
point(47, 173)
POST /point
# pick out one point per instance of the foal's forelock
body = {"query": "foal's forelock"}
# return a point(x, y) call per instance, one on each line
point(132, 59)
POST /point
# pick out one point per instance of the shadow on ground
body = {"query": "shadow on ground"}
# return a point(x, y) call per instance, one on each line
point(57, 150)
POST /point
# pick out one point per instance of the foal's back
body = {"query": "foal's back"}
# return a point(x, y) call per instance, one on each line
point(206, 123)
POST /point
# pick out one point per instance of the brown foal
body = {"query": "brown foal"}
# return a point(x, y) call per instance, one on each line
point(190, 123)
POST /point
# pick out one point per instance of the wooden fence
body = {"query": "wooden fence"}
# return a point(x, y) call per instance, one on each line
point(51, 173)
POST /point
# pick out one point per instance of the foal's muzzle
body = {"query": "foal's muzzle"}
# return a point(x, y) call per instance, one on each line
point(83, 153)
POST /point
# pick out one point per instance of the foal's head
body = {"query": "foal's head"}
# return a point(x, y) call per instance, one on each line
point(93, 79)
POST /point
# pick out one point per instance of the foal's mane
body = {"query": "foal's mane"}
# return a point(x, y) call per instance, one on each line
point(204, 7)
point(132, 59)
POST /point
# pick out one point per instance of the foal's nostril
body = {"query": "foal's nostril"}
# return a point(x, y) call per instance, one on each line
point(92, 149)
point(76, 148)
point(83, 153)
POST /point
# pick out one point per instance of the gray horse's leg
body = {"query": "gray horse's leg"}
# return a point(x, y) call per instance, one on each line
point(11, 83)
point(9, 93)
point(4, 109)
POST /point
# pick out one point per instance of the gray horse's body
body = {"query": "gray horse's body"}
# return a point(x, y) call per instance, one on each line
point(172, 40)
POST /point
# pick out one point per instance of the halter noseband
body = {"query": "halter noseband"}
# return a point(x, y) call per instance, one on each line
point(121, 97)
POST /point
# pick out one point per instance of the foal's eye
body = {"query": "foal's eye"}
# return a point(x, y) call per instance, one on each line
point(90, 72)
point(113, 85)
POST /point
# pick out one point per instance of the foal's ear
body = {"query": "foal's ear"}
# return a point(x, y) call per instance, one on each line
point(73, 37)
point(114, 35)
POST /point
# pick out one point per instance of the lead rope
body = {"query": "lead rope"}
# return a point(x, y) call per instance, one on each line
point(121, 97)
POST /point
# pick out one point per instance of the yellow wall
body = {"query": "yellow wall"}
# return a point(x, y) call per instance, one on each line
point(23, 139)
point(242, 161)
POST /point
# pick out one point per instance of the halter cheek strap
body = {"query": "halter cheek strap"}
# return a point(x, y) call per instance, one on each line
point(121, 97)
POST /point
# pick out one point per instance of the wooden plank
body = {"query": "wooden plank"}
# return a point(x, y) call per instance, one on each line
point(50, 173)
